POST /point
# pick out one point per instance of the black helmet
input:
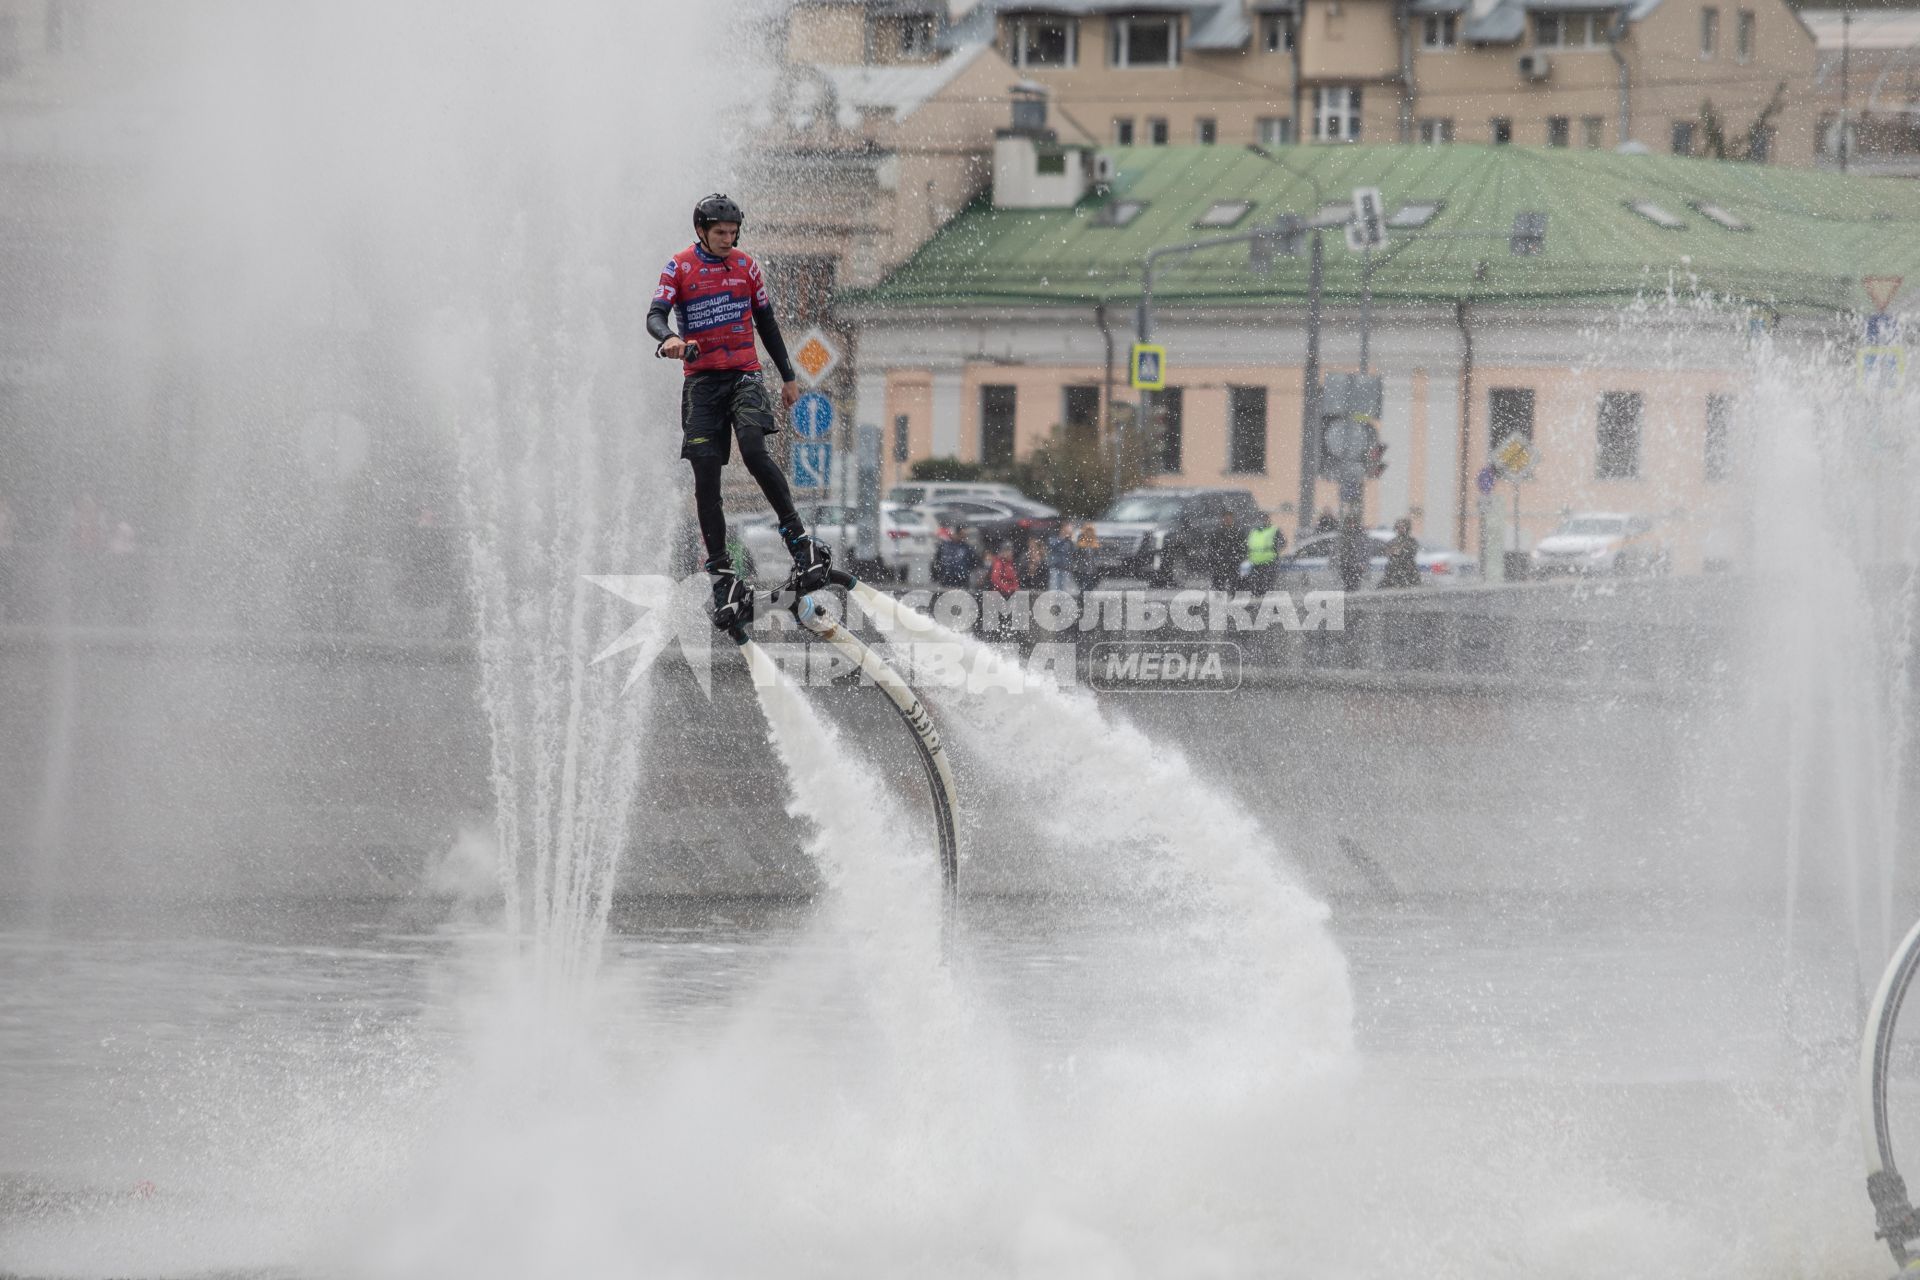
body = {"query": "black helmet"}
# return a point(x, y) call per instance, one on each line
point(716, 208)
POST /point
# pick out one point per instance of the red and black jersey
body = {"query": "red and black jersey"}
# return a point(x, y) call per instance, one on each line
point(717, 302)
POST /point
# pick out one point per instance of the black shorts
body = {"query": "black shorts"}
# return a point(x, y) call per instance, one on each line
point(716, 405)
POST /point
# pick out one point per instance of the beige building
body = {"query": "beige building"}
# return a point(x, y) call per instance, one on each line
point(1869, 76)
point(1571, 73)
point(1620, 345)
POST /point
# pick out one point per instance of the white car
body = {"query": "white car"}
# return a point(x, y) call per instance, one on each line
point(921, 493)
point(1309, 567)
point(1600, 542)
point(906, 539)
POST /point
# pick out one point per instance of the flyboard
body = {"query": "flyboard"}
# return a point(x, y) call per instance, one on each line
point(1895, 1219)
point(926, 739)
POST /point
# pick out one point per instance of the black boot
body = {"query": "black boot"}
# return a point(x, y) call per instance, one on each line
point(732, 601)
point(811, 561)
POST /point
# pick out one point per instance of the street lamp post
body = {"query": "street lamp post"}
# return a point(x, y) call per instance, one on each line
point(1310, 372)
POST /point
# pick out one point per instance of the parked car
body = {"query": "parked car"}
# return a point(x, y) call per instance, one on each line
point(906, 540)
point(997, 519)
point(1600, 542)
point(1160, 534)
point(921, 493)
point(906, 536)
point(1309, 566)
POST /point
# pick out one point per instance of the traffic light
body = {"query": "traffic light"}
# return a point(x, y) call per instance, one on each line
point(1376, 460)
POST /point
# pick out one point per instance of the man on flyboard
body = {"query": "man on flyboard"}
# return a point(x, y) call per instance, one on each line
point(720, 299)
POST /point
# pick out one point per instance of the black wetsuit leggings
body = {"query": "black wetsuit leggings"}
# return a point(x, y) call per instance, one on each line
point(706, 496)
point(715, 408)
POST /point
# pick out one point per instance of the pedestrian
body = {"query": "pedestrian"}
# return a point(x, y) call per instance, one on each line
point(1060, 560)
point(1086, 551)
point(1263, 554)
point(1326, 523)
point(1353, 554)
point(1403, 557)
point(721, 302)
point(953, 561)
point(1033, 563)
point(1225, 548)
point(1002, 575)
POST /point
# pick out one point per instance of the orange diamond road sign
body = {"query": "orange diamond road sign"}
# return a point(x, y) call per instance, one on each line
point(815, 356)
point(1881, 289)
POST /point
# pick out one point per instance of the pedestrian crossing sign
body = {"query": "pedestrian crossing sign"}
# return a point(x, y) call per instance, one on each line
point(1149, 367)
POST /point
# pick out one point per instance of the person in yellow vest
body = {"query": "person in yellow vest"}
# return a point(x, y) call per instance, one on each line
point(1264, 543)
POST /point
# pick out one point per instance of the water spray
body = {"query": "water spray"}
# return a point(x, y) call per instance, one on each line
point(926, 738)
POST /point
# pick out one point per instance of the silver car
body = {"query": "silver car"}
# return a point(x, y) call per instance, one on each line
point(1309, 566)
point(906, 540)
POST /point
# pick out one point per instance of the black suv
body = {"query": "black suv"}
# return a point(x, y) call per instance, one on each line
point(1161, 534)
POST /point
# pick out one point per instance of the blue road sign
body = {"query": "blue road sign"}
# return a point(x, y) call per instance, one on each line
point(812, 464)
point(812, 416)
point(1882, 330)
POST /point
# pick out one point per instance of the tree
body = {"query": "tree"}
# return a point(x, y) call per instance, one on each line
point(1713, 130)
point(951, 470)
point(1079, 473)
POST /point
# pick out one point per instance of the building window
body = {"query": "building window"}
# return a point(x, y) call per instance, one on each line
point(1709, 31)
point(1336, 113)
point(1276, 33)
point(1593, 132)
point(1247, 429)
point(1617, 452)
point(1157, 130)
point(1719, 418)
point(1571, 31)
point(917, 31)
point(902, 434)
point(1123, 131)
point(996, 425)
point(1044, 42)
point(1274, 131)
point(1559, 131)
point(1080, 410)
point(1500, 130)
point(1436, 130)
point(1509, 413)
point(1143, 42)
point(1683, 137)
point(1743, 35)
point(1206, 131)
point(1439, 30)
point(1169, 411)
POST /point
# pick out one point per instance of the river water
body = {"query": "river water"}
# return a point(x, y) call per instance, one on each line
point(359, 1088)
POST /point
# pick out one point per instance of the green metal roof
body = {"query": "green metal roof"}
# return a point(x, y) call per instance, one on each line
point(1813, 234)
